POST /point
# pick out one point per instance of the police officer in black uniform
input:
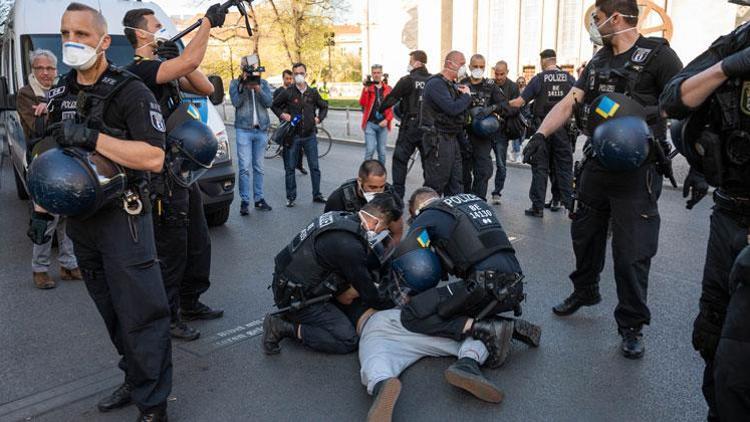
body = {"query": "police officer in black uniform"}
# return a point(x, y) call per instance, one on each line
point(408, 94)
point(547, 89)
point(353, 194)
point(712, 93)
point(640, 68)
point(97, 106)
point(486, 99)
point(442, 120)
point(465, 233)
point(173, 220)
point(337, 254)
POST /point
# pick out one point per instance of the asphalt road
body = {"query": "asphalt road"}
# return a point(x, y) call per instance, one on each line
point(56, 360)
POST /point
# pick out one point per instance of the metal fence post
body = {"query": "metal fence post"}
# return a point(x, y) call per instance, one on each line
point(348, 130)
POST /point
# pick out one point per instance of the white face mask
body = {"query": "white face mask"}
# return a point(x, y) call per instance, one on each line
point(371, 233)
point(596, 36)
point(409, 68)
point(477, 73)
point(299, 79)
point(461, 73)
point(80, 56)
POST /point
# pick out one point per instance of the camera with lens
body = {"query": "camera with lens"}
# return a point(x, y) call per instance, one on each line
point(369, 82)
point(252, 69)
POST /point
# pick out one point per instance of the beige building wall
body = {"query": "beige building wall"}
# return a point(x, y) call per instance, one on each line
point(517, 30)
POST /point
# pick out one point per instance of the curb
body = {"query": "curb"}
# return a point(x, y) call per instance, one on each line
point(344, 141)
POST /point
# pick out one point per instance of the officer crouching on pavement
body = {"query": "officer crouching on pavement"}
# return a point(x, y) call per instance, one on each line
point(97, 111)
point(337, 254)
point(174, 219)
point(547, 89)
point(637, 68)
point(712, 94)
point(442, 121)
point(353, 194)
point(483, 126)
point(472, 245)
point(408, 95)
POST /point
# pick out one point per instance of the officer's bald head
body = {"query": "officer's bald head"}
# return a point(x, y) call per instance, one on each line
point(98, 23)
point(455, 57)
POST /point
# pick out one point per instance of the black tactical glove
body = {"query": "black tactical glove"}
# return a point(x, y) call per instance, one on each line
point(696, 186)
point(535, 144)
point(168, 50)
point(737, 65)
point(216, 15)
point(706, 335)
point(71, 134)
point(38, 227)
point(484, 112)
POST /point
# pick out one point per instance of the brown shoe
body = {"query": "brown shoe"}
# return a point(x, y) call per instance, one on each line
point(42, 281)
point(74, 274)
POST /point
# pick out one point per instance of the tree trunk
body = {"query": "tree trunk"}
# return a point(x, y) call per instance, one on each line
point(284, 41)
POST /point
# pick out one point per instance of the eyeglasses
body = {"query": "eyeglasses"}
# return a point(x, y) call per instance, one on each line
point(296, 73)
point(44, 69)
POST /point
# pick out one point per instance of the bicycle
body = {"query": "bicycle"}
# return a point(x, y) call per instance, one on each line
point(273, 150)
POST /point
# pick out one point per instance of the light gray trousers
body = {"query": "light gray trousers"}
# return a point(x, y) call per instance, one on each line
point(40, 260)
point(386, 348)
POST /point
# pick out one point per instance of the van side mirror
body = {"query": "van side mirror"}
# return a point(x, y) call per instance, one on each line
point(218, 96)
point(7, 100)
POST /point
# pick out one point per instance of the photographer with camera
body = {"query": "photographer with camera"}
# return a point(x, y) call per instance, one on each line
point(251, 97)
point(375, 124)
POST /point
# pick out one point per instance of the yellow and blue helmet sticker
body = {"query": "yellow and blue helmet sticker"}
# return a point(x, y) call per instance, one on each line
point(607, 107)
point(423, 239)
point(193, 112)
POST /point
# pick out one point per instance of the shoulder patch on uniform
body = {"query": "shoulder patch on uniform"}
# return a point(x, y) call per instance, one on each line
point(640, 55)
point(745, 100)
point(56, 91)
point(157, 121)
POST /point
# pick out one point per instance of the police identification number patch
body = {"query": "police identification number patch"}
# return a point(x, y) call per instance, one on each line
point(745, 99)
point(640, 55)
point(157, 121)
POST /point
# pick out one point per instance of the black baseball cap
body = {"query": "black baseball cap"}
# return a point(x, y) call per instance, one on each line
point(548, 54)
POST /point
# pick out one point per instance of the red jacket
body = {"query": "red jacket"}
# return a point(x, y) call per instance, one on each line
point(367, 101)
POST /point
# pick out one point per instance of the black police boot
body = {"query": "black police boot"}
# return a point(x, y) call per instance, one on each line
point(465, 374)
point(527, 333)
point(197, 310)
point(320, 199)
point(244, 208)
point(274, 330)
point(496, 335)
point(386, 394)
point(534, 212)
point(580, 297)
point(153, 416)
point(119, 398)
point(554, 205)
point(632, 342)
point(182, 331)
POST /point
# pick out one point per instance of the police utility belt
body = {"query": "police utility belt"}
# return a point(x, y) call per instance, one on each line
point(733, 204)
point(495, 282)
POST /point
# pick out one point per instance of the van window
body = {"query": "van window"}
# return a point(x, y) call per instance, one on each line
point(119, 52)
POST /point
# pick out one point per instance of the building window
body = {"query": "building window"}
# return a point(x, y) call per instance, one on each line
point(569, 25)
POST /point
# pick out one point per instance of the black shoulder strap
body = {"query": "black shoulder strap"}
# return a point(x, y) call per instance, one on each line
point(350, 194)
point(646, 49)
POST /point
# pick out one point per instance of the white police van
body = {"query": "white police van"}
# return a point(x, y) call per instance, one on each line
point(35, 24)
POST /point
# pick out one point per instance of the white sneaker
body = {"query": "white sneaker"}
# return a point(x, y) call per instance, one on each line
point(495, 199)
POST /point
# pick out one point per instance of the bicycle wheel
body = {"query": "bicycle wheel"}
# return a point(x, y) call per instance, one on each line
point(273, 150)
point(324, 142)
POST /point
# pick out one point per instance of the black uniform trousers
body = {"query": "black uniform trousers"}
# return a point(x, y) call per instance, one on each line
point(422, 313)
point(198, 269)
point(629, 200)
point(558, 153)
point(476, 165)
point(117, 256)
point(170, 213)
point(722, 382)
point(441, 161)
point(409, 139)
point(326, 328)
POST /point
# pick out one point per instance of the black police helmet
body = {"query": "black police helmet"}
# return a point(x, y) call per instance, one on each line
point(621, 143)
point(416, 266)
point(685, 133)
point(486, 127)
point(609, 106)
point(74, 182)
point(191, 149)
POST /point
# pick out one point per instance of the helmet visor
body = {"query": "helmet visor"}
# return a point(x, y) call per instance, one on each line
point(183, 170)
